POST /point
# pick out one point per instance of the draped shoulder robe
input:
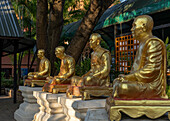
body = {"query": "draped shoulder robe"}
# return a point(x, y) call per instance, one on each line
point(149, 70)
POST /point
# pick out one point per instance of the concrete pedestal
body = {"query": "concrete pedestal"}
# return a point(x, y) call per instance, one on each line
point(76, 109)
point(50, 107)
point(96, 115)
point(29, 107)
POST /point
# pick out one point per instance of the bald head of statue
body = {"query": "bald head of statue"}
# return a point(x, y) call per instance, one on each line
point(41, 53)
point(142, 26)
point(95, 39)
point(59, 51)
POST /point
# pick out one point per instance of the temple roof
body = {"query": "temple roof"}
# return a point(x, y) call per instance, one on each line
point(10, 31)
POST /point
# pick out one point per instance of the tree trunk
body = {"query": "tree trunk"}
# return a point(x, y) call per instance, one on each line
point(95, 11)
point(54, 30)
point(42, 23)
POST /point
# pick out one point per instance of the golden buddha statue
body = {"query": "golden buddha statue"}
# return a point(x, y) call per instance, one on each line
point(67, 70)
point(98, 75)
point(143, 91)
point(39, 77)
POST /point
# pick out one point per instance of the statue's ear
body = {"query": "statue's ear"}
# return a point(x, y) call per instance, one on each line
point(98, 41)
point(144, 27)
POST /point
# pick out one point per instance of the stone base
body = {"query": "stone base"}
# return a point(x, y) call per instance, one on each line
point(50, 109)
point(96, 115)
point(76, 109)
point(29, 107)
point(26, 112)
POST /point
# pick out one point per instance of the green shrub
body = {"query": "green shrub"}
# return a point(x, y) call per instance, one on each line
point(7, 83)
point(168, 51)
point(2, 76)
point(168, 91)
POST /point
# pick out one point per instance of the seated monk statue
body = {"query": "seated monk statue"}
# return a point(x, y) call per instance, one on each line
point(100, 66)
point(147, 79)
point(44, 69)
point(67, 70)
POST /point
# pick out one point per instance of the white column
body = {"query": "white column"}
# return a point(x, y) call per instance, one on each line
point(76, 109)
point(29, 107)
point(50, 109)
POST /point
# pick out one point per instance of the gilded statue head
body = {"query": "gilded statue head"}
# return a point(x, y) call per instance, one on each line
point(141, 26)
point(40, 53)
point(59, 51)
point(95, 39)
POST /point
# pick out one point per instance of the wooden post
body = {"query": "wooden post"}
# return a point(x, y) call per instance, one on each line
point(15, 71)
point(1, 50)
point(28, 60)
point(0, 68)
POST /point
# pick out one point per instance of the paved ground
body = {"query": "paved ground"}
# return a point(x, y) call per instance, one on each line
point(7, 108)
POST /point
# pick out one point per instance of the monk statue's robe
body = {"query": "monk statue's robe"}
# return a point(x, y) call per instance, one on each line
point(44, 70)
point(67, 70)
point(149, 73)
point(99, 72)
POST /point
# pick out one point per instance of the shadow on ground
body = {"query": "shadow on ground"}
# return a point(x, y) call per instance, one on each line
point(7, 108)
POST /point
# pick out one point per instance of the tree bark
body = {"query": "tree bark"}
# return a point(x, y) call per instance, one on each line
point(42, 23)
point(54, 30)
point(95, 11)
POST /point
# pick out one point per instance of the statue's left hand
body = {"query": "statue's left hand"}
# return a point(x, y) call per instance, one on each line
point(130, 77)
point(97, 75)
point(36, 76)
point(121, 75)
point(122, 78)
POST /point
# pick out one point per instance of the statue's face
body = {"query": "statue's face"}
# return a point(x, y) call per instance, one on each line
point(137, 27)
point(58, 53)
point(40, 54)
point(94, 42)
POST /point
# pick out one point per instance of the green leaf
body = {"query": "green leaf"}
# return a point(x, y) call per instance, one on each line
point(167, 40)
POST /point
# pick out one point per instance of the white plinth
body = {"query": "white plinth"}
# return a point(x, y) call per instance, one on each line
point(96, 115)
point(29, 107)
point(50, 107)
point(76, 109)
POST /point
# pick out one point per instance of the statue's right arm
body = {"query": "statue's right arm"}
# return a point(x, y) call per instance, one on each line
point(106, 67)
point(32, 73)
